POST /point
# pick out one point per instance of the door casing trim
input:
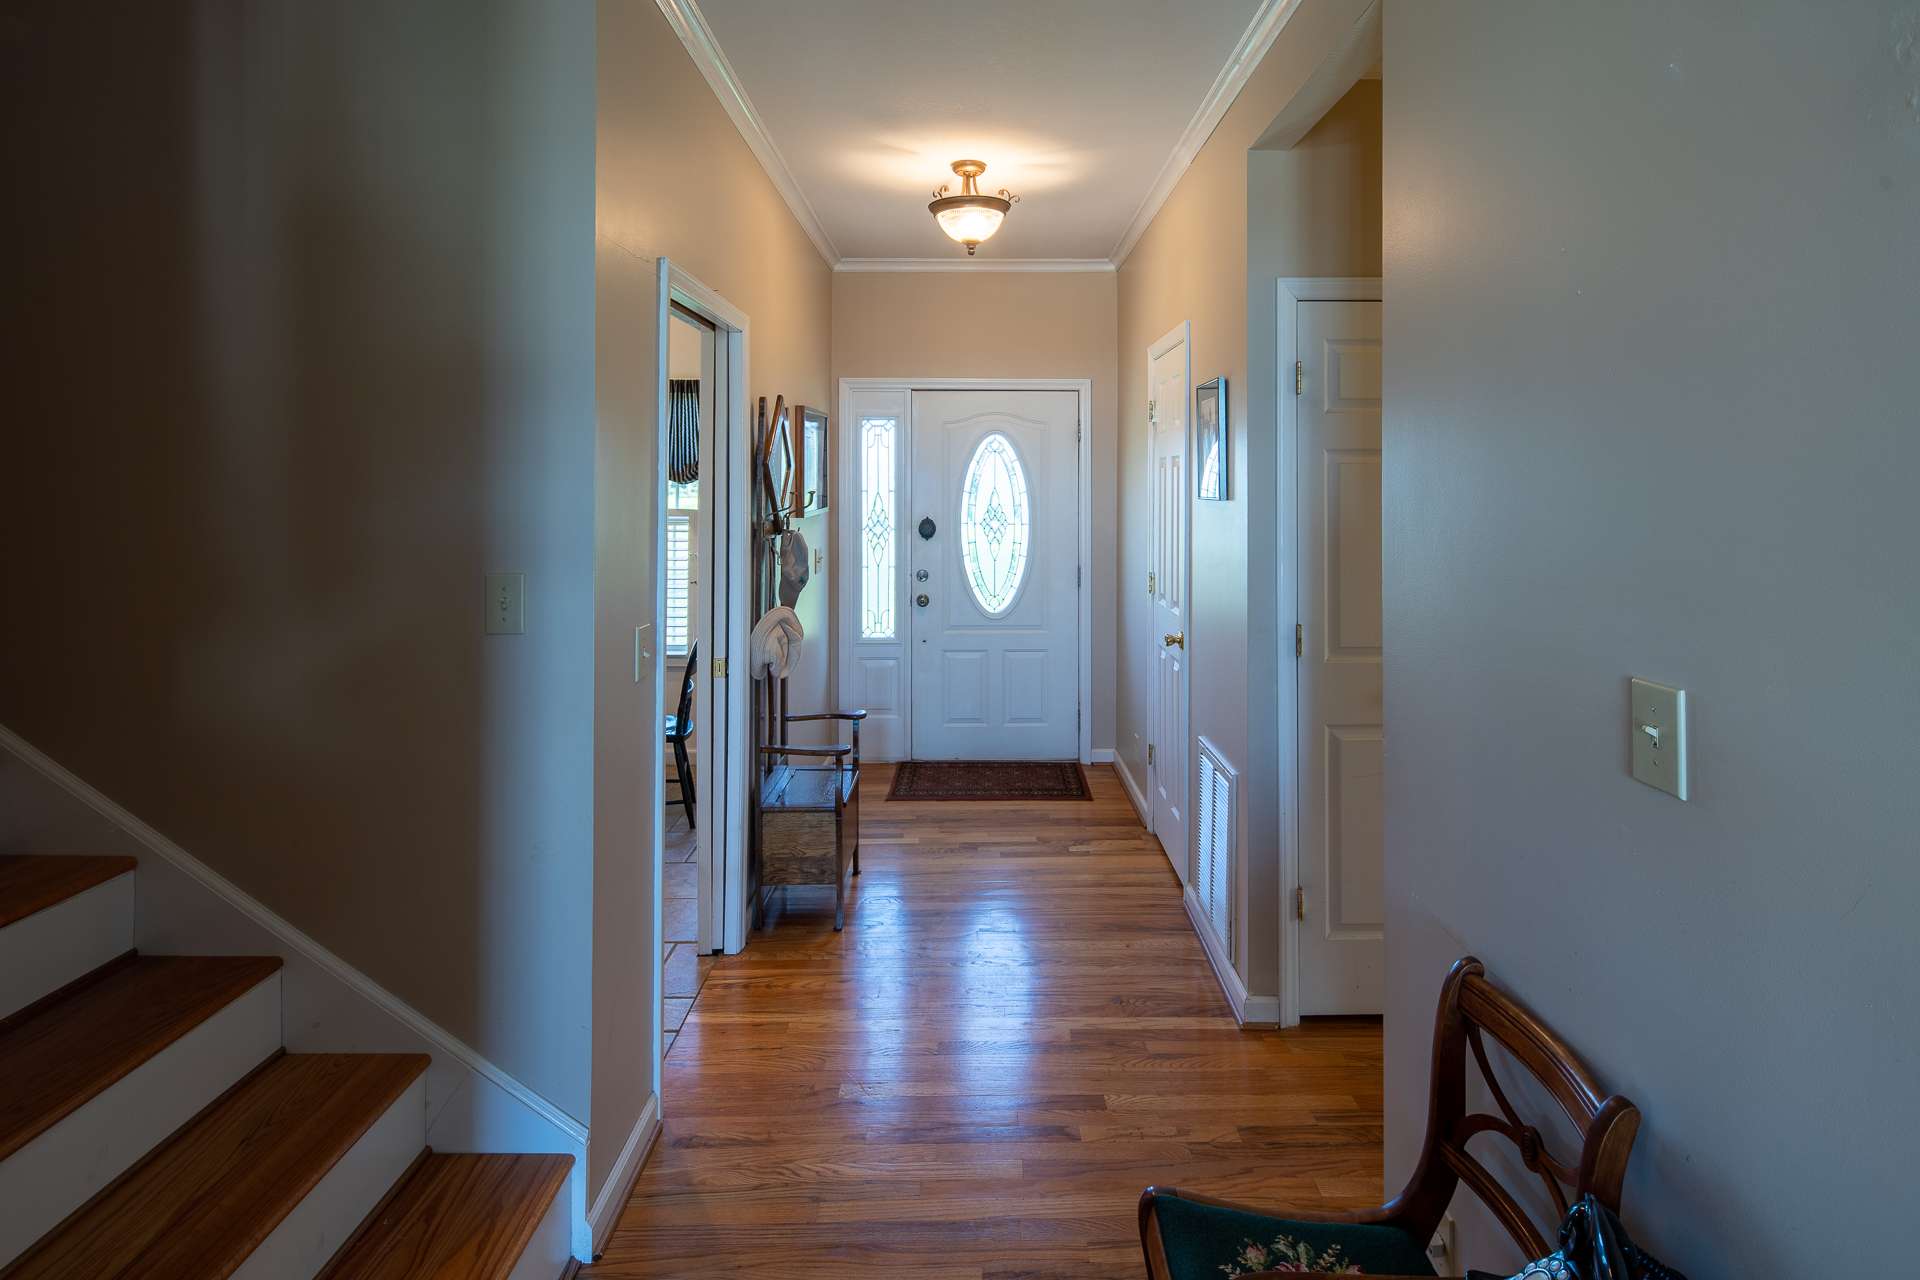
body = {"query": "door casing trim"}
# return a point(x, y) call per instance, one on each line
point(1289, 293)
point(845, 584)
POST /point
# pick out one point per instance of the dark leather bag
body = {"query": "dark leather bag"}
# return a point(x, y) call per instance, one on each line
point(1593, 1246)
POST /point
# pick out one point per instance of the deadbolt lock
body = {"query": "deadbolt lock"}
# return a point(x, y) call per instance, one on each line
point(920, 575)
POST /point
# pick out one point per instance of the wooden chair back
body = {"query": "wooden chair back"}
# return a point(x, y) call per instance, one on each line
point(1472, 1009)
point(684, 718)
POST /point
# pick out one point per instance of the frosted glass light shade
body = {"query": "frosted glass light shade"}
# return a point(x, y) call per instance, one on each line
point(971, 223)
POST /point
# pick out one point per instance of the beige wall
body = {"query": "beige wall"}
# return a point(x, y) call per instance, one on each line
point(675, 180)
point(1650, 410)
point(1001, 324)
point(317, 330)
point(302, 347)
point(1193, 264)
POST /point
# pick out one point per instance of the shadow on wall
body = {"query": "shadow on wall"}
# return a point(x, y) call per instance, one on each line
point(299, 345)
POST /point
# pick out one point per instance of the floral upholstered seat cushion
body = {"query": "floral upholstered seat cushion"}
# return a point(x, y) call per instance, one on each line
point(1206, 1242)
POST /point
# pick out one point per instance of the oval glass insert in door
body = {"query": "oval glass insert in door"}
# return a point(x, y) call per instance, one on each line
point(995, 525)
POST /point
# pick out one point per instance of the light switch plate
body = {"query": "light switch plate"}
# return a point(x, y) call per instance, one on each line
point(1657, 725)
point(506, 604)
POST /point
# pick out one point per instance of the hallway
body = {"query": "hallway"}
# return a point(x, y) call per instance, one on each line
point(1015, 1034)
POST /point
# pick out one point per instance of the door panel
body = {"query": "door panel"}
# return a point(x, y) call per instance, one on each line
point(1342, 738)
point(995, 646)
point(1167, 774)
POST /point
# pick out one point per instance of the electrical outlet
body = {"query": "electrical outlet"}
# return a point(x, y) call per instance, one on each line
point(506, 604)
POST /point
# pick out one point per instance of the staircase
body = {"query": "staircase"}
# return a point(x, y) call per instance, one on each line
point(152, 1125)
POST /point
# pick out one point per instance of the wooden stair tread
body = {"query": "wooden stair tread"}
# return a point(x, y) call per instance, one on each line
point(31, 882)
point(467, 1216)
point(207, 1197)
point(56, 1055)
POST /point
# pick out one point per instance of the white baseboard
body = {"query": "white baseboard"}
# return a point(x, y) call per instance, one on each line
point(1248, 1011)
point(183, 906)
point(619, 1184)
point(1100, 755)
point(1134, 793)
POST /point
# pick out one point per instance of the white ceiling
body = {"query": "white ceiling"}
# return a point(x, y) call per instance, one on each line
point(1075, 105)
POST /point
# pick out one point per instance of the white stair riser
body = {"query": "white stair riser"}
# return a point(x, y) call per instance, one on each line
point(50, 948)
point(58, 1171)
point(547, 1254)
point(309, 1236)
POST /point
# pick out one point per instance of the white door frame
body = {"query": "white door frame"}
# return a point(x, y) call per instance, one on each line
point(721, 720)
point(1288, 295)
point(1180, 335)
point(846, 585)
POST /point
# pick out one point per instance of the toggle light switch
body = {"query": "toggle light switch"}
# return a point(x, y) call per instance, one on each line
point(1657, 727)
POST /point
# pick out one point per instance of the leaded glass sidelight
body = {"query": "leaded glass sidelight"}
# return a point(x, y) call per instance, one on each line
point(877, 521)
point(994, 524)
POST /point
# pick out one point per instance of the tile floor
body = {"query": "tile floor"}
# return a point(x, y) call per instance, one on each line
point(686, 968)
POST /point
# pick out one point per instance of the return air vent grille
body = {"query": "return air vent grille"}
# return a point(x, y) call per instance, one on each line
point(1213, 879)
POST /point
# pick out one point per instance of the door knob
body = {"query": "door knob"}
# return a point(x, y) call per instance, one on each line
point(1174, 639)
point(921, 600)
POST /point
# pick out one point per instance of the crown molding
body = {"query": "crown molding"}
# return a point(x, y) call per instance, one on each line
point(1259, 36)
point(973, 264)
point(690, 25)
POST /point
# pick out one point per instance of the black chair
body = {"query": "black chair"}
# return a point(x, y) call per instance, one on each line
point(679, 729)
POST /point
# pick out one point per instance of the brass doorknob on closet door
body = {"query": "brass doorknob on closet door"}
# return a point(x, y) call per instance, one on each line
point(1174, 639)
point(921, 600)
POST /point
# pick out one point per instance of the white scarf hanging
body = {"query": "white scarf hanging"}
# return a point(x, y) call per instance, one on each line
point(776, 642)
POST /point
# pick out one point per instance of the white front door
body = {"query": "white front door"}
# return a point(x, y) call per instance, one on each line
point(1167, 756)
point(1342, 735)
point(991, 532)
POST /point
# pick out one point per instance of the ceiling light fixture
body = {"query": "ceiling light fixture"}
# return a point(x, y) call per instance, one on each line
point(970, 217)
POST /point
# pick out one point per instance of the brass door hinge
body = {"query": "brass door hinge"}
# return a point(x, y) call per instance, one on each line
point(1299, 903)
point(1149, 755)
point(1299, 377)
point(1150, 409)
point(719, 668)
point(1150, 582)
point(1299, 640)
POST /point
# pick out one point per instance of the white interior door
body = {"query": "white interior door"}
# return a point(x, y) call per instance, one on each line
point(1167, 772)
point(991, 533)
point(1342, 734)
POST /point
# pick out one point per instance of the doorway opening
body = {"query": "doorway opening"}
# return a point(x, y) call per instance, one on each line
point(700, 501)
point(690, 921)
point(964, 622)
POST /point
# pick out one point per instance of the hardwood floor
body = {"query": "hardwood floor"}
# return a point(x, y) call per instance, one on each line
point(1016, 1033)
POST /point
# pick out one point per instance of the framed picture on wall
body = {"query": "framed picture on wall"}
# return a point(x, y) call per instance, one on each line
point(777, 470)
point(1210, 449)
point(814, 469)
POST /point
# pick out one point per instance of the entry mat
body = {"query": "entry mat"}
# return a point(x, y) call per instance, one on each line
point(989, 780)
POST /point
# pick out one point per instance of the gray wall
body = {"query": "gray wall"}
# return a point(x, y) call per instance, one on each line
point(299, 341)
point(1653, 297)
